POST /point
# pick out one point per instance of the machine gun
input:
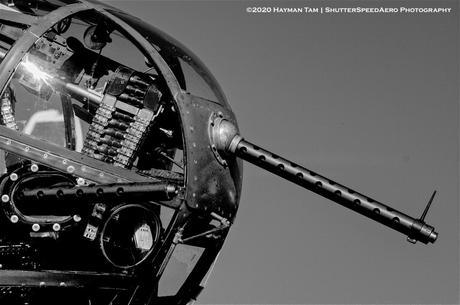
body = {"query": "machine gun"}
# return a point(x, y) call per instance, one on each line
point(227, 141)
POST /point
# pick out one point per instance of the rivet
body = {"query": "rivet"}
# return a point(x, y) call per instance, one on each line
point(8, 142)
point(70, 169)
point(76, 218)
point(5, 198)
point(14, 218)
point(62, 284)
point(26, 149)
point(45, 156)
point(81, 181)
point(34, 168)
point(35, 227)
point(56, 227)
point(64, 161)
point(14, 177)
point(42, 284)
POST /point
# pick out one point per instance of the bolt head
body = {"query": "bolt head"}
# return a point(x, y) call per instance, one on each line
point(34, 168)
point(5, 198)
point(56, 227)
point(14, 218)
point(35, 227)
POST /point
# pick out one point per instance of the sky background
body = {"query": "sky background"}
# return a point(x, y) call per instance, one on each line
point(370, 101)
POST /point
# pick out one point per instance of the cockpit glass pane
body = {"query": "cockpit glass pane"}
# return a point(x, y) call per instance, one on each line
point(195, 83)
point(9, 34)
point(181, 264)
point(35, 7)
point(191, 73)
point(85, 86)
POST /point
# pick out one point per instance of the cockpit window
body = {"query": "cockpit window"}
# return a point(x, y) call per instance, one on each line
point(85, 86)
point(183, 260)
point(9, 33)
point(191, 73)
point(35, 7)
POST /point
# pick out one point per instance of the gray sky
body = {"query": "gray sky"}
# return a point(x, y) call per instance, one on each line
point(368, 100)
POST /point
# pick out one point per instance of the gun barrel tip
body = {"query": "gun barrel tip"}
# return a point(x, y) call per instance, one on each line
point(433, 236)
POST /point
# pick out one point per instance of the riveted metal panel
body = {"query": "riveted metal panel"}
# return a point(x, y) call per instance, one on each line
point(211, 186)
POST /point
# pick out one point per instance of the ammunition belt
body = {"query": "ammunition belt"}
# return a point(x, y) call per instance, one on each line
point(6, 110)
point(121, 124)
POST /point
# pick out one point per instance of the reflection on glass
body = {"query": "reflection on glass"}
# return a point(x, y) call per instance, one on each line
point(179, 267)
point(85, 86)
point(192, 75)
point(129, 235)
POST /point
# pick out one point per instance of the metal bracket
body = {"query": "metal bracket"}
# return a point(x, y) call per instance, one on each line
point(214, 120)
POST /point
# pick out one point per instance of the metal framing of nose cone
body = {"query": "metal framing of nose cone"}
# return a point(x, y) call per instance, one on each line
point(204, 206)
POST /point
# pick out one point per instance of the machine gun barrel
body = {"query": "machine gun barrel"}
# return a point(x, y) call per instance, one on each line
point(226, 140)
point(415, 229)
